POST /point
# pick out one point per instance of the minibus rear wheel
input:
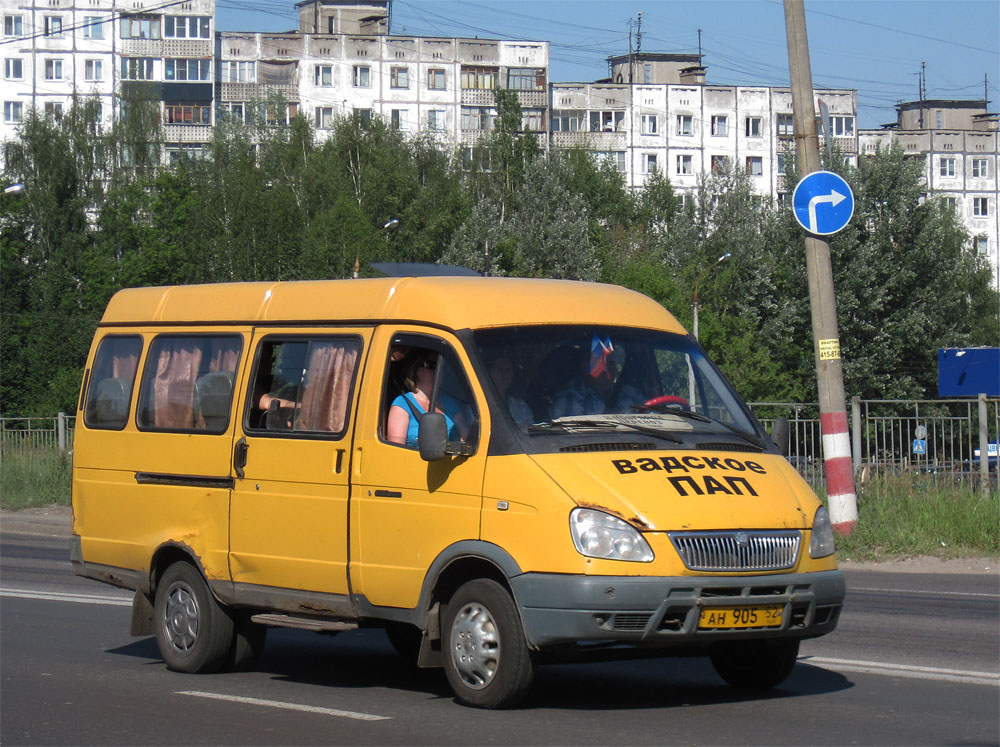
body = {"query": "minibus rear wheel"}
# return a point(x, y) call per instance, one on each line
point(486, 657)
point(193, 631)
point(755, 665)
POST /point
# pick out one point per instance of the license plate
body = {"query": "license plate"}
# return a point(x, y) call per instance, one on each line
point(768, 616)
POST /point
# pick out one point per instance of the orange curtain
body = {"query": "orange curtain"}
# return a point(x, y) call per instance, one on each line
point(326, 391)
point(173, 385)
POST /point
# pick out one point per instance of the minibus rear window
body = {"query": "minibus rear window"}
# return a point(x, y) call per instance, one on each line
point(187, 383)
point(110, 392)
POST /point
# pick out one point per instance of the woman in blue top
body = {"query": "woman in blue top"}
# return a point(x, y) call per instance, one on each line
point(403, 422)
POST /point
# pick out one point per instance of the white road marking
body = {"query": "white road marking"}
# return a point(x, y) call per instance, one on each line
point(927, 592)
point(286, 706)
point(57, 596)
point(905, 670)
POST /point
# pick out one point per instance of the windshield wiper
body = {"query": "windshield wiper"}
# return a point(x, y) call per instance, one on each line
point(701, 418)
point(551, 426)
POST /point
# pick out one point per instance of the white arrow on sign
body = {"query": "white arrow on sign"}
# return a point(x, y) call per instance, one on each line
point(834, 198)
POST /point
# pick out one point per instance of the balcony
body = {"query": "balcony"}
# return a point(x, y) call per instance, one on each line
point(589, 140)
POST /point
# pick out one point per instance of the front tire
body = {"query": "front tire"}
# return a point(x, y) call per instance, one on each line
point(755, 665)
point(486, 657)
point(193, 631)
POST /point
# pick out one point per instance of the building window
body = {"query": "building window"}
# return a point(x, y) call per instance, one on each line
point(752, 126)
point(479, 79)
point(187, 70)
point(53, 111)
point(324, 75)
point(137, 68)
point(951, 203)
point(362, 76)
point(400, 119)
point(199, 114)
point(12, 27)
point(53, 26)
point(980, 207)
point(786, 125)
point(720, 164)
point(140, 27)
point(364, 116)
point(684, 165)
point(93, 27)
point(93, 70)
point(980, 168)
point(324, 117)
point(784, 161)
point(399, 77)
point(607, 121)
point(234, 110)
point(755, 165)
point(946, 167)
point(526, 79)
point(13, 68)
point(569, 120)
point(477, 118)
point(435, 79)
point(531, 120)
point(614, 158)
point(982, 244)
point(647, 73)
point(649, 124)
point(435, 119)
point(239, 72)
point(12, 111)
point(649, 165)
point(720, 125)
point(186, 27)
point(53, 70)
point(685, 124)
point(840, 126)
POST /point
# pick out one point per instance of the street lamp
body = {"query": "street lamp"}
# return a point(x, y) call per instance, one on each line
point(14, 189)
point(697, 283)
point(392, 225)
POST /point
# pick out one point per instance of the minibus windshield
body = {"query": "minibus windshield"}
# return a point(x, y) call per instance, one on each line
point(578, 378)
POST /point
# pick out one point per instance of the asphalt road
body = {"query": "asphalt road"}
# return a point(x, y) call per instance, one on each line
point(915, 660)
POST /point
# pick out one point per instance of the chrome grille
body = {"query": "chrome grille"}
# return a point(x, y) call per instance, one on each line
point(737, 551)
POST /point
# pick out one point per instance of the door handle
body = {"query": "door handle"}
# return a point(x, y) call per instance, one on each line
point(240, 456)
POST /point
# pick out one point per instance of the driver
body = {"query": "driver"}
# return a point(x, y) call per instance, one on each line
point(595, 390)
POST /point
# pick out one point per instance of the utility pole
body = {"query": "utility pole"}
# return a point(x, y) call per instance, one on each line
point(839, 469)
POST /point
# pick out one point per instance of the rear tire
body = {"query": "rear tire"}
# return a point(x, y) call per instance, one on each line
point(486, 657)
point(755, 665)
point(193, 631)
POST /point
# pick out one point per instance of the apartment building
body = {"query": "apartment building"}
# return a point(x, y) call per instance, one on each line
point(958, 144)
point(674, 123)
point(56, 50)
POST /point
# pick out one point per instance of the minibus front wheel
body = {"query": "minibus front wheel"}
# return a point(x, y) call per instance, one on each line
point(486, 657)
point(755, 665)
point(193, 631)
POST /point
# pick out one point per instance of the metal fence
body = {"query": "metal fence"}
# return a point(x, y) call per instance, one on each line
point(940, 437)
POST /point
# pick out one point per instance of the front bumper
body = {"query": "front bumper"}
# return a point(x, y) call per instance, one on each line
point(661, 612)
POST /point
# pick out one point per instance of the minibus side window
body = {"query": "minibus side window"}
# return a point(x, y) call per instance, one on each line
point(412, 374)
point(111, 382)
point(187, 383)
point(303, 385)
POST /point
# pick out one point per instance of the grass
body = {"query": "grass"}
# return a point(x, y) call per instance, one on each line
point(907, 516)
point(901, 516)
point(39, 477)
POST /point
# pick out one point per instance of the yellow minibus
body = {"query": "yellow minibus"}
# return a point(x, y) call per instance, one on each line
point(493, 470)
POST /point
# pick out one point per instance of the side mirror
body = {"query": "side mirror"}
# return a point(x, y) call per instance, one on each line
point(432, 436)
point(779, 434)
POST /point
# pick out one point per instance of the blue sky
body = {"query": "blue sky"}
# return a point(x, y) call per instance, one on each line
point(875, 46)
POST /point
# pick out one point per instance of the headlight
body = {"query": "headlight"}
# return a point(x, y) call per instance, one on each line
point(600, 535)
point(821, 543)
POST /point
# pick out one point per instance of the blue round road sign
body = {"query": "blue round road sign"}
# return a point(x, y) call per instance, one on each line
point(823, 202)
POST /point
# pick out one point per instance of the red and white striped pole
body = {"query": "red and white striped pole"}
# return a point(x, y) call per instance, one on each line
point(840, 489)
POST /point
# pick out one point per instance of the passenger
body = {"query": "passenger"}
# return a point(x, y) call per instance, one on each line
point(403, 423)
point(589, 392)
point(502, 373)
